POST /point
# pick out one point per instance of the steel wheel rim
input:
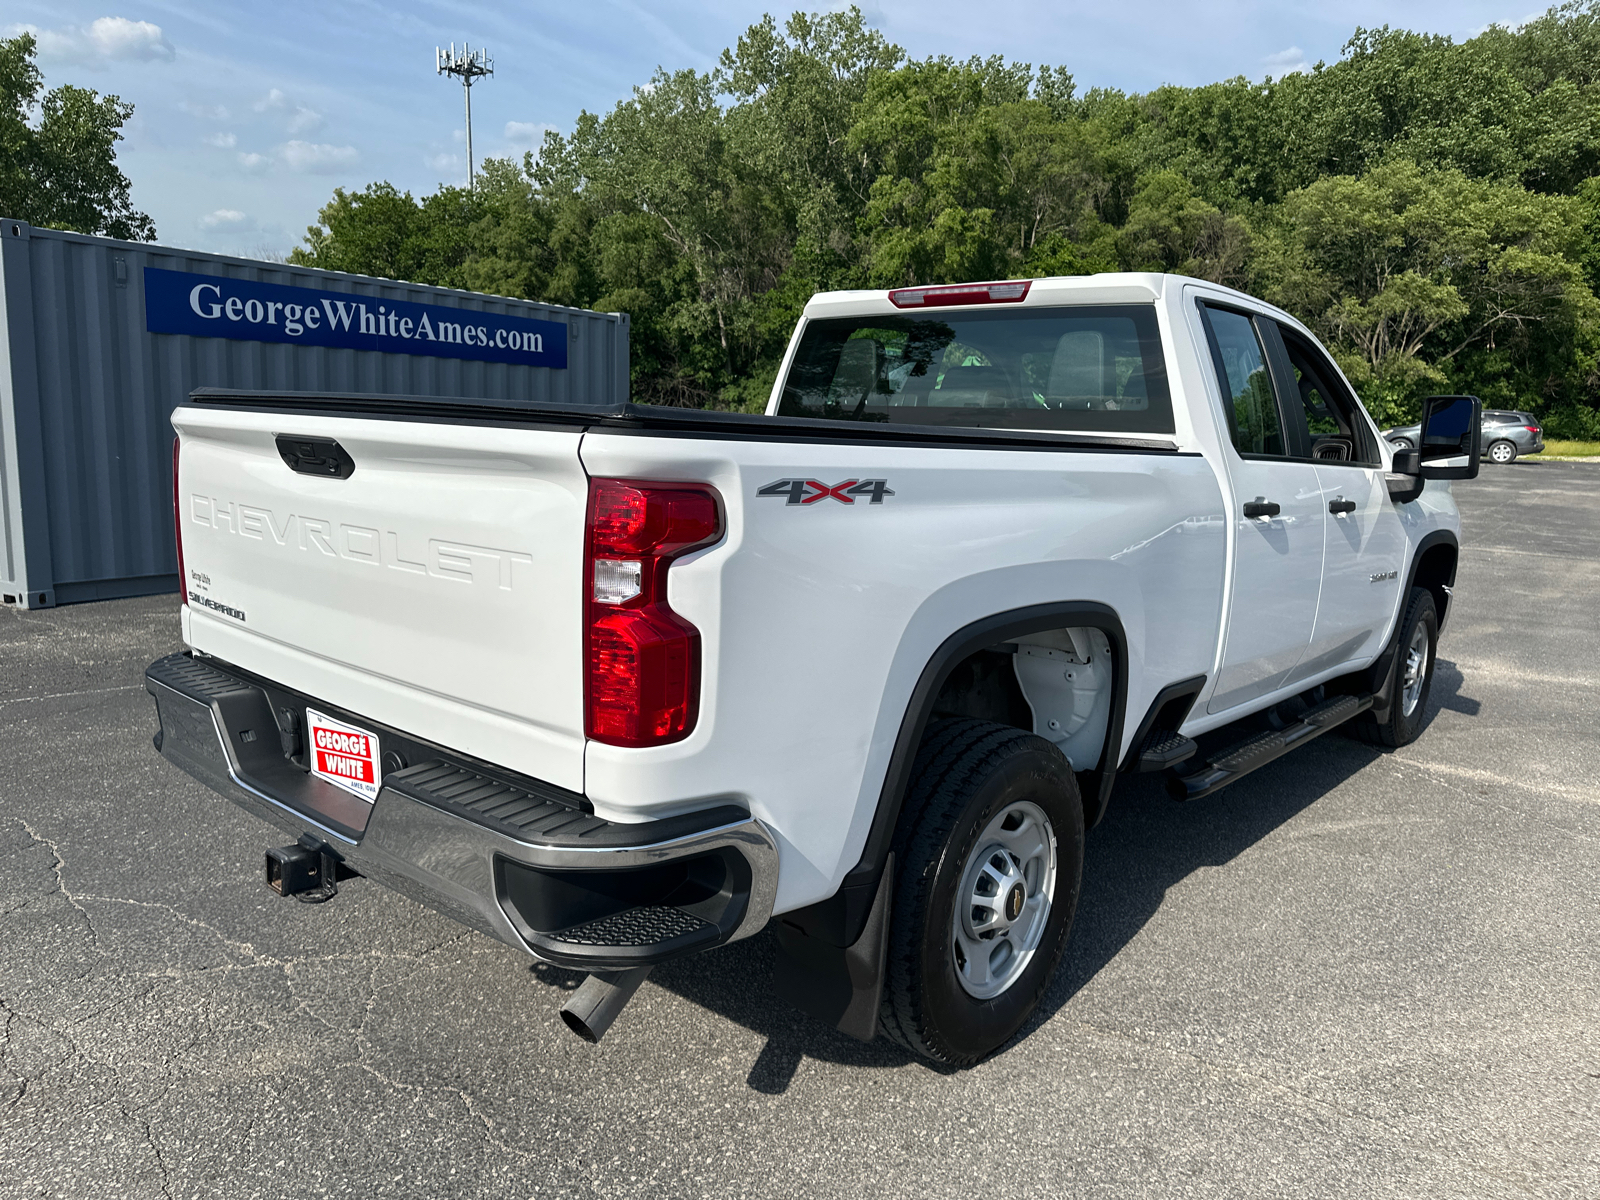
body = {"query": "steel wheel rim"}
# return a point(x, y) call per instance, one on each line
point(1007, 887)
point(1500, 452)
point(1416, 669)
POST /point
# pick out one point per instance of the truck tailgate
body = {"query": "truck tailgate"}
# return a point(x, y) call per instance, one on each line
point(436, 589)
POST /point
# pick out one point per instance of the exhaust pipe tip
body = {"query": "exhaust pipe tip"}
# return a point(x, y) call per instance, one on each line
point(599, 1000)
point(576, 1024)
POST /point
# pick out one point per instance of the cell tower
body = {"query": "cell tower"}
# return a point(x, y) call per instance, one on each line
point(469, 64)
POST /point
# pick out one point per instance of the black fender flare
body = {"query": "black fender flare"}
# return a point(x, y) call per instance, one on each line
point(1379, 677)
point(840, 919)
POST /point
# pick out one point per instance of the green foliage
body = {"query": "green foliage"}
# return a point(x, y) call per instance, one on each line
point(58, 152)
point(1428, 280)
point(1431, 208)
point(384, 232)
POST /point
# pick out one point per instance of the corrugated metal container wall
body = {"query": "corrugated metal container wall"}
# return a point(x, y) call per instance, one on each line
point(86, 392)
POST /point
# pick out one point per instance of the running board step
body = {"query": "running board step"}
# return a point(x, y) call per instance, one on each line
point(1167, 750)
point(1238, 761)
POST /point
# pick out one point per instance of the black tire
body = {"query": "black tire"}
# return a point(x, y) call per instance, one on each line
point(1507, 452)
point(1406, 721)
point(1400, 443)
point(968, 773)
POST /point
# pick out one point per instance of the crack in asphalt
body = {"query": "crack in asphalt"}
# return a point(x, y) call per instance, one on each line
point(488, 1124)
point(125, 687)
point(58, 868)
point(253, 960)
point(5, 1046)
point(143, 1123)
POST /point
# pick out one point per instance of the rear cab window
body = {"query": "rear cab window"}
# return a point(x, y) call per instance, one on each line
point(1072, 368)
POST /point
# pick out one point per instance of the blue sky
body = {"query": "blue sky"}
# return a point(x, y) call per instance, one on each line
point(249, 115)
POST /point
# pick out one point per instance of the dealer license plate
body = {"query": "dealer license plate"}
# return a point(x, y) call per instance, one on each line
point(344, 755)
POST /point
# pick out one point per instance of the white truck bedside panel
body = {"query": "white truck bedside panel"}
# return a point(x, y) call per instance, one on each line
point(802, 604)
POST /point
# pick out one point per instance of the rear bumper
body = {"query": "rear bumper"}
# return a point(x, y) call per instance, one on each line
point(515, 858)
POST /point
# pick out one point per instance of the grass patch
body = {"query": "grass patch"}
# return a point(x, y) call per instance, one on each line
point(1555, 448)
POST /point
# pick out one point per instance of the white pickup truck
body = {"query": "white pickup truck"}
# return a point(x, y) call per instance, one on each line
point(620, 685)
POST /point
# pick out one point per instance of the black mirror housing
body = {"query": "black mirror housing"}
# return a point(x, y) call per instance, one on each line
point(1452, 429)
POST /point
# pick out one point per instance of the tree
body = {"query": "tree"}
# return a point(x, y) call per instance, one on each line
point(1171, 228)
point(58, 153)
point(975, 178)
point(384, 232)
point(1430, 207)
point(1421, 279)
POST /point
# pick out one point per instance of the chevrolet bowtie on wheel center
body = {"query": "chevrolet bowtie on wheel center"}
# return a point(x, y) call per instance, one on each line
point(618, 685)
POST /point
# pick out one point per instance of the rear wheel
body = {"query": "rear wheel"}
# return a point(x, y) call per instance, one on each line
point(989, 857)
point(1400, 443)
point(1502, 452)
point(1419, 638)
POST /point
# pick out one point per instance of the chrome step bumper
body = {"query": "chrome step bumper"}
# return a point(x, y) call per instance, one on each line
point(515, 858)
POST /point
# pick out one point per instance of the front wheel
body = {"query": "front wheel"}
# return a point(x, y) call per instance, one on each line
point(989, 858)
point(1400, 443)
point(1503, 452)
point(1419, 641)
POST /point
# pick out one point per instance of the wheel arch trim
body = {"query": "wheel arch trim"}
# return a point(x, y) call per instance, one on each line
point(1380, 676)
point(840, 918)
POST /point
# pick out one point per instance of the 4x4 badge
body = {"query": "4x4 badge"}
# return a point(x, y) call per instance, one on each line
point(795, 491)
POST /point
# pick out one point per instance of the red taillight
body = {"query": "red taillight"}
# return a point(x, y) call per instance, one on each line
point(1531, 428)
point(177, 526)
point(642, 675)
point(962, 293)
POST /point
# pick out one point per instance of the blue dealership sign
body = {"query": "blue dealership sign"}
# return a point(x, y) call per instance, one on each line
point(215, 306)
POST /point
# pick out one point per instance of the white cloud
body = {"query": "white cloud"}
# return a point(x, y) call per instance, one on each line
point(306, 158)
point(1286, 62)
point(208, 112)
point(526, 135)
point(305, 120)
point(316, 158)
point(223, 141)
point(229, 220)
point(302, 119)
point(104, 40)
point(444, 162)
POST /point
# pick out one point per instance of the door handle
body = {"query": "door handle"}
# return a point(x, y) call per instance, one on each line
point(1341, 505)
point(1261, 507)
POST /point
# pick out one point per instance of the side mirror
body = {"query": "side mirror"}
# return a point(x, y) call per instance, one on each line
point(1451, 437)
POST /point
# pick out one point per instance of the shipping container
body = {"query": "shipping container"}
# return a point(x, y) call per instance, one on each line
point(100, 340)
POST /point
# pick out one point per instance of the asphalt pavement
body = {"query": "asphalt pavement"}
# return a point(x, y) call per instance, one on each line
point(1352, 974)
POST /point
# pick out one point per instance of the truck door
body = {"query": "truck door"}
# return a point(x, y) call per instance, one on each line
point(1364, 546)
point(1278, 518)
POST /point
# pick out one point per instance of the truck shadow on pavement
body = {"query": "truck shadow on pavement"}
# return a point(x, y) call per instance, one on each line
point(1145, 845)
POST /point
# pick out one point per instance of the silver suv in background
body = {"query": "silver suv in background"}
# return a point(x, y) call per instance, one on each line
point(1505, 435)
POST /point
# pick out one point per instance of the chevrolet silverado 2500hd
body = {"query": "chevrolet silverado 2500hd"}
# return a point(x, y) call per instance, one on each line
point(621, 685)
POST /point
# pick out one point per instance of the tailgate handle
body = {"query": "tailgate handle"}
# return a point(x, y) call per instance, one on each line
point(316, 456)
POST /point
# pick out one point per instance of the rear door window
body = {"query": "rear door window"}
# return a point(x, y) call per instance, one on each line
point(1093, 369)
point(1254, 421)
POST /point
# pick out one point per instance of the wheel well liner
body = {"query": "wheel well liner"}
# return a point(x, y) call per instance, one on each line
point(1434, 567)
point(840, 918)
